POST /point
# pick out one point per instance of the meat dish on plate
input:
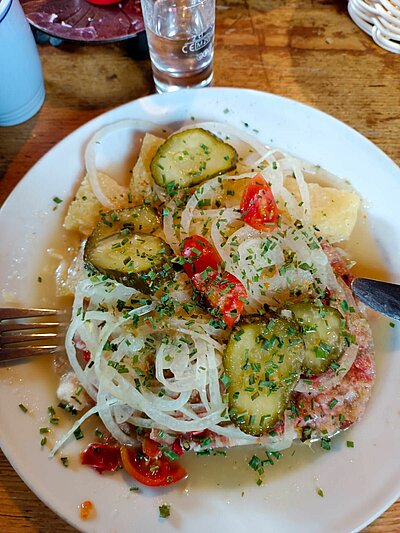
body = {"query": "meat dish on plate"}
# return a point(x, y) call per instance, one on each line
point(212, 305)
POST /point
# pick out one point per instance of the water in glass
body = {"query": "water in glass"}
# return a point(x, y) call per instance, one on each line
point(180, 34)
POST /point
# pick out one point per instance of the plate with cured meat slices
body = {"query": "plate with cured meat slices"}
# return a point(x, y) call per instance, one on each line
point(84, 21)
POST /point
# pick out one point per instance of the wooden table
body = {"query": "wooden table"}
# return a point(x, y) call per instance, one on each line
point(303, 49)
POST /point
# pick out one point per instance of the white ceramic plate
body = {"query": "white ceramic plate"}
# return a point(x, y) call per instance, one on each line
point(358, 483)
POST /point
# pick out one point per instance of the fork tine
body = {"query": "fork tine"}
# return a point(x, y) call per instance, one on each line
point(17, 326)
point(9, 354)
point(8, 313)
point(31, 337)
point(18, 335)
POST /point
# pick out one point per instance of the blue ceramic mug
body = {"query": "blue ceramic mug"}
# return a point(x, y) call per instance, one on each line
point(21, 78)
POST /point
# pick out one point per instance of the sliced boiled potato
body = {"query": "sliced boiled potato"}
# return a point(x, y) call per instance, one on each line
point(333, 211)
point(84, 210)
point(141, 182)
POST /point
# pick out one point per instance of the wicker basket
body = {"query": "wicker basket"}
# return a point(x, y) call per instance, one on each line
point(380, 19)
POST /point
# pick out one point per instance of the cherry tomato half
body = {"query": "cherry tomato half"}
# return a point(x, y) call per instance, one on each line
point(219, 289)
point(258, 206)
point(151, 472)
point(86, 356)
point(222, 291)
point(200, 254)
point(177, 447)
point(151, 448)
point(101, 457)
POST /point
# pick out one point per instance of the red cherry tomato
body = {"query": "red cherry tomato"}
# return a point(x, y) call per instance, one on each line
point(200, 254)
point(177, 447)
point(222, 291)
point(258, 206)
point(218, 289)
point(104, 2)
point(198, 434)
point(101, 457)
point(151, 448)
point(151, 472)
point(86, 356)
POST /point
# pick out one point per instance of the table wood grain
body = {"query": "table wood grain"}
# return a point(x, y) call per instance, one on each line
point(308, 50)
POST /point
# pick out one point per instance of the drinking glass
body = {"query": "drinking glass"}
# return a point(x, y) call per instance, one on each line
point(180, 34)
point(21, 78)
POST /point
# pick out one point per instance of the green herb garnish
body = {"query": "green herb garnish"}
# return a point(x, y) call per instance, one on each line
point(165, 510)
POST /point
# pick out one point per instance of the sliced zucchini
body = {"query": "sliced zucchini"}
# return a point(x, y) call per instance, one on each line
point(123, 247)
point(190, 157)
point(262, 361)
point(322, 332)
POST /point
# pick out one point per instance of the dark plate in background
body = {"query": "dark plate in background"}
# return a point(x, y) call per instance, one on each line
point(77, 20)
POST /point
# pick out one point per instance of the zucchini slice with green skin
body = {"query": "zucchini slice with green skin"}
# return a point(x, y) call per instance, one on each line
point(124, 248)
point(322, 330)
point(190, 157)
point(263, 362)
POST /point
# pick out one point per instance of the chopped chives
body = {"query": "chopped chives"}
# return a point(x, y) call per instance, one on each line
point(170, 454)
point(78, 433)
point(332, 403)
point(254, 462)
point(326, 443)
point(165, 510)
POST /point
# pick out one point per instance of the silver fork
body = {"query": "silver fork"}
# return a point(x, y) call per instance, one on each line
point(23, 332)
